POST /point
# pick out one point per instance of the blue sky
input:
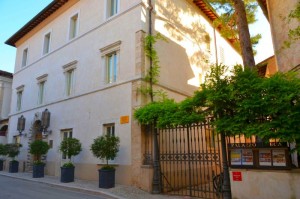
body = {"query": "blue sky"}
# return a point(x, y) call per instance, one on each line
point(16, 13)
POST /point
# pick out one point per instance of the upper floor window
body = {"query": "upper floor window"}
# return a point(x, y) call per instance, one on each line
point(112, 7)
point(222, 56)
point(41, 86)
point(41, 92)
point(110, 55)
point(46, 48)
point(25, 57)
point(111, 67)
point(69, 70)
point(73, 29)
point(20, 90)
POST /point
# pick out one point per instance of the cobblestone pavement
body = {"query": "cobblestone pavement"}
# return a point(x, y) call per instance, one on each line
point(120, 191)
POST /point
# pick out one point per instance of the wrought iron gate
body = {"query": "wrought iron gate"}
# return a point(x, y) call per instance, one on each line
point(190, 159)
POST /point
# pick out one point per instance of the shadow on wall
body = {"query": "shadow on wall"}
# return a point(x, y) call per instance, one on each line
point(184, 27)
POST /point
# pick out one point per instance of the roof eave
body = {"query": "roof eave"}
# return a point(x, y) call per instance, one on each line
point(35, 21)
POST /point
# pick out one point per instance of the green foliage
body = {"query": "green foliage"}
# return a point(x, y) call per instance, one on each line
point(168, 113)
point(152, 74)
point(243, 103)
point(105, 147)
point(38, 148)
point(38, 162)
point(294, 33)
point(3, 150)
point(68, 165)
point(227, 19)
point(70, 147)
point(13, 150)
point(249, 104)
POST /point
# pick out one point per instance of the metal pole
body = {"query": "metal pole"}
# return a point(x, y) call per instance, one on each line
point(156, 181)
point(226, 181)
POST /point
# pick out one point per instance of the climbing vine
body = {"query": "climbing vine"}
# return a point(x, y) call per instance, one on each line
point(152, 75)
point(294, 33)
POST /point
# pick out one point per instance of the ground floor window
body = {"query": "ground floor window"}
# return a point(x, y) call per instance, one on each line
point(66, 133)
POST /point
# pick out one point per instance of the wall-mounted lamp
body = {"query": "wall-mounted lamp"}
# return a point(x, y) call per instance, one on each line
point(21, 124)
point(46, 122)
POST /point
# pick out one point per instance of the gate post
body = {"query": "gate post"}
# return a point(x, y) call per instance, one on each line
point(226, 189)
point(156, 181)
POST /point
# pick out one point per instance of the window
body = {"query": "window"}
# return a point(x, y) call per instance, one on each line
point(20, 90)
point(112, 7)
point(111, 67)
point(41, 80)
point(64, 135)
point(46, 48)
point(41, 92)
point(73, 26)
point(69, 70)
point(110, 59)
point(17, 139)
point(19, 100)
point(222, 56)
point(69, 82)
point(109, 129)
point(25, 57)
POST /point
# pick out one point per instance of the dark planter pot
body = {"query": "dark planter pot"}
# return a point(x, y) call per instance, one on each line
point(106, 178)
point(67, 174)
point(1, 165)
point(38, 171)
point(13, 167)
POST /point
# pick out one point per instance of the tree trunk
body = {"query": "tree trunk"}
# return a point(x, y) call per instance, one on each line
point(244, 35)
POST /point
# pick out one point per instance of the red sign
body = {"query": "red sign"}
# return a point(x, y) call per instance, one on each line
point(237, 176)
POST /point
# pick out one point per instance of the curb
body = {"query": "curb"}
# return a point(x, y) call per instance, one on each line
point(79, 189)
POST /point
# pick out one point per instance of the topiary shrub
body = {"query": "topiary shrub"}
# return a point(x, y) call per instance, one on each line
point(105, 147)
point(12, 150)
point(70, 147)
point(38, 148)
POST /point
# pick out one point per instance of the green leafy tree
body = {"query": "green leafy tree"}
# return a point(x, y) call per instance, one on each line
point(243, 103)
point(234, 17)
point(70, 147)
point(3, 151)
point(13, 150)
point(106, 147)
point(38, 148)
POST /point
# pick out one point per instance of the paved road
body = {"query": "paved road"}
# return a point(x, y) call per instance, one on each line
point(11, 188)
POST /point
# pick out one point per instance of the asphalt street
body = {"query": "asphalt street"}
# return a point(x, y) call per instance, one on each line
point(11, 188)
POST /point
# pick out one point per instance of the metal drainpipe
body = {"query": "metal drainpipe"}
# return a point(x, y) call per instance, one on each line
point(150, 33)
point(156, 181)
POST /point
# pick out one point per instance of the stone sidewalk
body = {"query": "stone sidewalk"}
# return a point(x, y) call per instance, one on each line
point(120, 191)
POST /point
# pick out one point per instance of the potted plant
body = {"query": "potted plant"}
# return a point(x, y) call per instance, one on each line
point(3, 153)
point(38, 148)
point(106, 147)
point(69, 147)
point(13, 149)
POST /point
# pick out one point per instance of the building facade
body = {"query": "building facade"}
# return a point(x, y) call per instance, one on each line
point(5, 99)
point(84, 61)
point(278, 14)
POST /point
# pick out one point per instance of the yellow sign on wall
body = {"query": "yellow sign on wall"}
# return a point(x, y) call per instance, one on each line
point(124, 119)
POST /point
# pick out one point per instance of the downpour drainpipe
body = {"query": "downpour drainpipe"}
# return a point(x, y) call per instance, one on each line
point(156, 180)
point(150, 7)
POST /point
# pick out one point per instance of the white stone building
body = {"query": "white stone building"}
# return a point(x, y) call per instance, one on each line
point(83, 60)
point(5, 99)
